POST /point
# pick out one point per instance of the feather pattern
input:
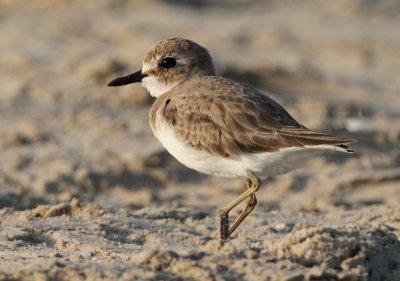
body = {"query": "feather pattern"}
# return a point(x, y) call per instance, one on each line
point(225, 118)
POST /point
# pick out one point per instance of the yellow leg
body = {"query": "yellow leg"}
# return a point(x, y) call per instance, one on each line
point(252, 187)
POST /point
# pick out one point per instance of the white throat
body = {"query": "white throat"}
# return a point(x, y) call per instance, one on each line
point(155, 87)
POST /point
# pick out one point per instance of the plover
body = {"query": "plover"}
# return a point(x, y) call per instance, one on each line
point(218, 126)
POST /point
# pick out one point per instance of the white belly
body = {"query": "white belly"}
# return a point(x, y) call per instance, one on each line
point(263, 164)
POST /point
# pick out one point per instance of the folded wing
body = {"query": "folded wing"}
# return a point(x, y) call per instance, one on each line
point(243, 120)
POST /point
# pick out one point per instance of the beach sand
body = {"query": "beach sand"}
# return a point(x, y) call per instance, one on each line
point(87, 192)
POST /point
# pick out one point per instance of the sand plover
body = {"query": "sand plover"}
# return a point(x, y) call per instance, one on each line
point(220, 127)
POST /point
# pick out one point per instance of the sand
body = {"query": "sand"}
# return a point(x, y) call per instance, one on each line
point(87, 193)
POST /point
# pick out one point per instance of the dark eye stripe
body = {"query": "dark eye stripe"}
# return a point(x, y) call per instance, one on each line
point(168, 63)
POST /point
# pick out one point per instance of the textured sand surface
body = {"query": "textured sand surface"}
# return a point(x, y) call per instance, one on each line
point(87, 193)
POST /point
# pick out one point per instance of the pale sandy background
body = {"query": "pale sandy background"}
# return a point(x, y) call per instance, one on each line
point(87, 193)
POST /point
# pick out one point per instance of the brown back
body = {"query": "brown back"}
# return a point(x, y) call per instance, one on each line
point(225, 118)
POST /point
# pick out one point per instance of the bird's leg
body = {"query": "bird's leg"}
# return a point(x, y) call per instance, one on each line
point(254, 184)
point(251, 204)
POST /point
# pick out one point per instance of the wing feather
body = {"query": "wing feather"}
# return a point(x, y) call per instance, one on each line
point(239, 119)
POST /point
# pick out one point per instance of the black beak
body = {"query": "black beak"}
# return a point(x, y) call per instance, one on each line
point(131, 78)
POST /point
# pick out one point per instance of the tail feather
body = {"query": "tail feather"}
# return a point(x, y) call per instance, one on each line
point(346, 147)
point(306, 137)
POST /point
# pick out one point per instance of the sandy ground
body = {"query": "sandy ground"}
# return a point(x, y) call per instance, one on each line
point(87, 193)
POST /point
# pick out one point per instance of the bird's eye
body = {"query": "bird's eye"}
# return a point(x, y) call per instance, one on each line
point(168, 63)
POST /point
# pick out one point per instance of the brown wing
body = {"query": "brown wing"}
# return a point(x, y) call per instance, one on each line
point(236, 120)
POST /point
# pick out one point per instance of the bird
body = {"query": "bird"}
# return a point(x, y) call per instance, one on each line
point(221, 127)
